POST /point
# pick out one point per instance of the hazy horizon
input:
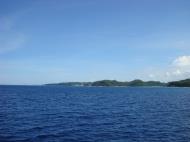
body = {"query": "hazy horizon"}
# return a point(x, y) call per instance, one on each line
point(50, 41)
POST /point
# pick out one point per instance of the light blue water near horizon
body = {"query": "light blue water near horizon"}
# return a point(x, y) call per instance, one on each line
point(94, 114)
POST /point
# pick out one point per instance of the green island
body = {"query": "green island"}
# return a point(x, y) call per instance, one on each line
point(134, 83)
point(181, 83)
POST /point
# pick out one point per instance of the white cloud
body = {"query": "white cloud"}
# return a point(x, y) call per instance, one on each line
point(177, 70)
point(182, 61)
point(180, 68)
point(151, 75)
point(168, 74)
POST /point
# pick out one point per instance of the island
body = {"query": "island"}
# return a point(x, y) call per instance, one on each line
point(181, 83)
point(133, 83)
point(110, 83)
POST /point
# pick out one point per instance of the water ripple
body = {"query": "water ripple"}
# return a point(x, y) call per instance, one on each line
point(78, 114)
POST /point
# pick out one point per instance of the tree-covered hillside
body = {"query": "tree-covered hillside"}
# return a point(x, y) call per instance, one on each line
point(181, 83)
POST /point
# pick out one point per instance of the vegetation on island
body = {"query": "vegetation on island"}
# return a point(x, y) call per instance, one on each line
point(146, 83)
point(72, 84)
point(136, 82)
point(181, 83)
point(108, 83)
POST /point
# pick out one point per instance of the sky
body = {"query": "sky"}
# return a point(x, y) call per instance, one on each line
point(49, 41)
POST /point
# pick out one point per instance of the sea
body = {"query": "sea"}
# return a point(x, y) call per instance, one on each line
point(94, 114)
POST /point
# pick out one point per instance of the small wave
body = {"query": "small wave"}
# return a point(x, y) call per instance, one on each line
point(44, 136)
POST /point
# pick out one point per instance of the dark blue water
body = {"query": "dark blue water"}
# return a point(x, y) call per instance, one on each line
point(79, 114)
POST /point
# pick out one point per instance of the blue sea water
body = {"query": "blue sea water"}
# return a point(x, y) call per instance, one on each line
point(94, 114)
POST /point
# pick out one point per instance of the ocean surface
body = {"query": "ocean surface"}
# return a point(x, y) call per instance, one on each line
point(94, 114)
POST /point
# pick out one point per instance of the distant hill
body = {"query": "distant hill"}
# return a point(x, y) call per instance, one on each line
point(109, 83)
point(181, 83)
point(136, 82)
point(72, 84)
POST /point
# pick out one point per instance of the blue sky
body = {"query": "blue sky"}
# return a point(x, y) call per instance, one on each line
point(45, 41)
